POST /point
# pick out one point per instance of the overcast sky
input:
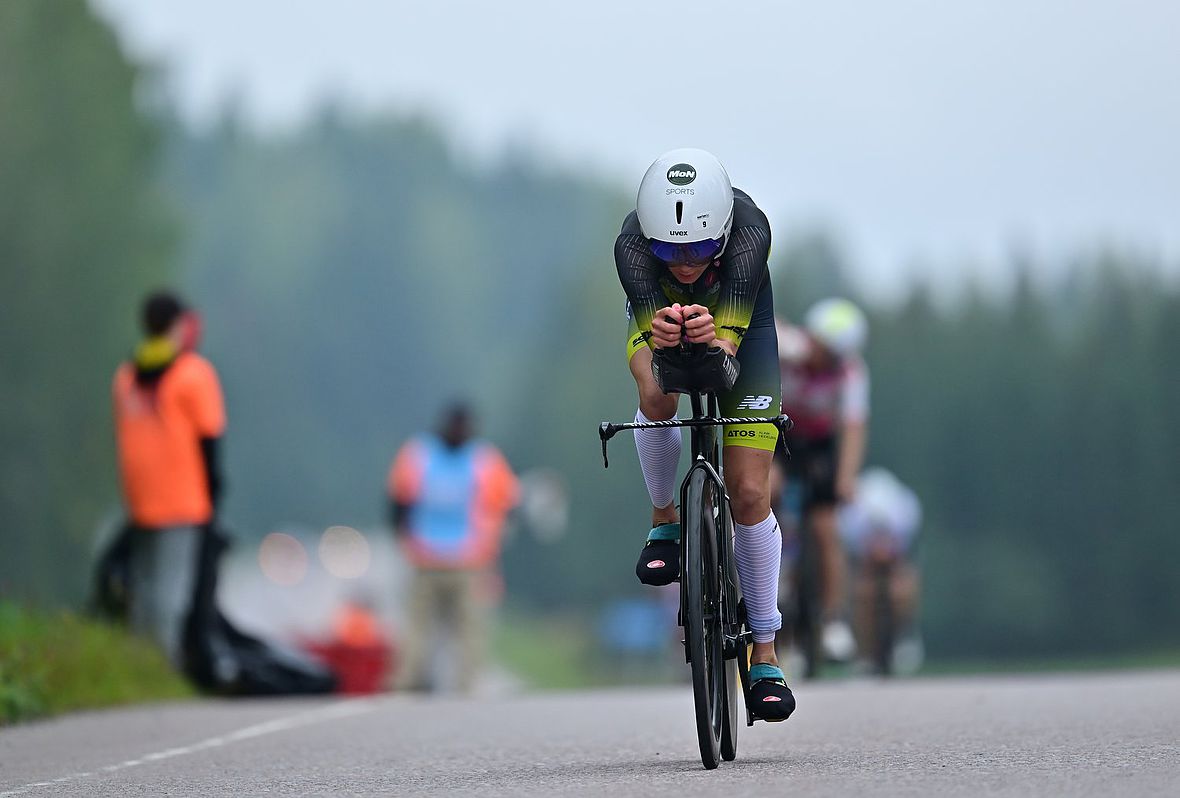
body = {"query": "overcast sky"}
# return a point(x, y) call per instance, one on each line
point(929, 131)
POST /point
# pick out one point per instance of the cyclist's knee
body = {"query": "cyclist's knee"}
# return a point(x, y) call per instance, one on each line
point(656, 405)
point(653, 402)
point(749, 497)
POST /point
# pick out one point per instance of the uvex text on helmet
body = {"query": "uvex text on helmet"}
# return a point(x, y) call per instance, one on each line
point(685, 196)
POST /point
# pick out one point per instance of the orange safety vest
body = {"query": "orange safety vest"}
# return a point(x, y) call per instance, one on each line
point(158, 431)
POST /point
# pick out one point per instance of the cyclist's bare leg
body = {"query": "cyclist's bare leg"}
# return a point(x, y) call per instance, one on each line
point(823, 525)
point(778, 483)
point(903, 595)
point(657, 406)
point(904, 591)
point(747, 479)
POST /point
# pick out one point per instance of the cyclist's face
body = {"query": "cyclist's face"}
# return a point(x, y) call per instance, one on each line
point(688, 261)
point(687, 273)
point(821, 357)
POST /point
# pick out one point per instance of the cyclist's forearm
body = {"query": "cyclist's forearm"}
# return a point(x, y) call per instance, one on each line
point(639, 276)
point(729, 346)
point(745, 273)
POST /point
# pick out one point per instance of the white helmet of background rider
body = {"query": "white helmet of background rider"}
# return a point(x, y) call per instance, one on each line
point(839, 325)
point(886, 502)
point(685, 206)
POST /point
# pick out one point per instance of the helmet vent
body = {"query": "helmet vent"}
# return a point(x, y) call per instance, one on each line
point(679, 212)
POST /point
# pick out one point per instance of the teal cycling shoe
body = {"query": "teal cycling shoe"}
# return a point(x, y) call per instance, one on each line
point(659, 561)
point(770, 698)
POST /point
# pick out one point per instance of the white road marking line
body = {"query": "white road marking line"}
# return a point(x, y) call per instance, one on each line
point(342, 709)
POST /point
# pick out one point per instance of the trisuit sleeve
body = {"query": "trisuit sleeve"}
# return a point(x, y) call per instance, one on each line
point(743, 271)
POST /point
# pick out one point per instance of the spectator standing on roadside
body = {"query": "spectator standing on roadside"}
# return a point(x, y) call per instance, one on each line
point(449, 496)
point(169, 419)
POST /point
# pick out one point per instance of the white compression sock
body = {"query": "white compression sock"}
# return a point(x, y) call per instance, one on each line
point(758, 552)
point(659, 454)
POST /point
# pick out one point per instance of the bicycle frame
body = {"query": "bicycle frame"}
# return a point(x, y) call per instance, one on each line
point(706, 457)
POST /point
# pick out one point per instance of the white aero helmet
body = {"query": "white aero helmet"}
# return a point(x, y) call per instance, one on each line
point(886, 501)
point(686, 198)
point(839, 325)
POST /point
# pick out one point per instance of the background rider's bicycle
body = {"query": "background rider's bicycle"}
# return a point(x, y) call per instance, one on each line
point(801, 581)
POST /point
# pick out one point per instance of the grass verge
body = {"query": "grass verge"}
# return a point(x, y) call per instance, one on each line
point(53, 662)
point(562, 652)
point(544, 653)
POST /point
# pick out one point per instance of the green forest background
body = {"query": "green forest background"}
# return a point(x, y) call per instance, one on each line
point(355, 273)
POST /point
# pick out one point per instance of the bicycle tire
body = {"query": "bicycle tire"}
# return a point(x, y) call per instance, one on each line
point(703, 632)
point(883, 620)
point(733, 666)
point(809, 629)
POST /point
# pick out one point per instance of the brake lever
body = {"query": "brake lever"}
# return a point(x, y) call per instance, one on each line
point(606, 431)
point(784, 424)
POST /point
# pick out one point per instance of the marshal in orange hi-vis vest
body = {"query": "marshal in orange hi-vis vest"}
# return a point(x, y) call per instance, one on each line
point(158, 431)
point(458, 498)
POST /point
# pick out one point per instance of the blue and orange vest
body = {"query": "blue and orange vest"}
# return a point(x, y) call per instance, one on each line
point(458, 500)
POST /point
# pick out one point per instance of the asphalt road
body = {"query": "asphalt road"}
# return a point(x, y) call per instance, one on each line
point(1102, 735)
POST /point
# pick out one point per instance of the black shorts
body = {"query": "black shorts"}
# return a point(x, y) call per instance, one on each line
point(813, 464)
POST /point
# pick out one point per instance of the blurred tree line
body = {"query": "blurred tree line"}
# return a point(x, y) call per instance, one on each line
point(1037, 426)
point(83, 232)
point(355, 274)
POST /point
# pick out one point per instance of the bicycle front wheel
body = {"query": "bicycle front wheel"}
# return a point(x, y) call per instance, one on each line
point(703, 629)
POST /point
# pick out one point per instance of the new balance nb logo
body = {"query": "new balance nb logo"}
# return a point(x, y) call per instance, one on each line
point(754, 403)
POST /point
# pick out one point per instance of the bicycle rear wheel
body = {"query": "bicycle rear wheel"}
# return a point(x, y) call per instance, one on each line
point(703, 630)
point(884, 629)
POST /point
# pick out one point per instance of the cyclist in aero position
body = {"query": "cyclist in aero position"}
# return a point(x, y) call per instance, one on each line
point(692, 259)
point(825, 389)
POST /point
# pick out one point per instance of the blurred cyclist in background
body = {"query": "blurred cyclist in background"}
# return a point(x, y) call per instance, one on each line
point(449, 495)
point(692, 259)
point(169, 419)
point(878, 529)
point(825, 387)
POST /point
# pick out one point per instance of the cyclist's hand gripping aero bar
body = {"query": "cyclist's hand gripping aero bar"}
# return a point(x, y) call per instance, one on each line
point(693, 367)
point(685, 369)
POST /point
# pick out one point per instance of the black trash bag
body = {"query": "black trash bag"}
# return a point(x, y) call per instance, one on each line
point(220, 658)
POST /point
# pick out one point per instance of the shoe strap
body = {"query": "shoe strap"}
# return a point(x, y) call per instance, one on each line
point(765, 670)
point(664, 532)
